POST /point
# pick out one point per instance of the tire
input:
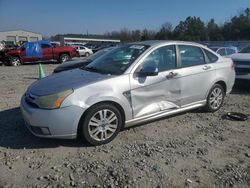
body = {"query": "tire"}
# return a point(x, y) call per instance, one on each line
point(93, 127)
point(215, 98)
point(63, 58)
point(15, 61)
point(87, 54)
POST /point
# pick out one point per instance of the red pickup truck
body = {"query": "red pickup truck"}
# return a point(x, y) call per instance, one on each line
point(37, 51)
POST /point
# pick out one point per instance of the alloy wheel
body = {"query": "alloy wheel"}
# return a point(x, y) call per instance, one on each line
point(64, 59)
point(15, 61)
point(216, 98)
point(102, 125)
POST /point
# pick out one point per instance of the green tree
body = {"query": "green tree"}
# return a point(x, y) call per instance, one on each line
point(238, 28)
point(192, 29)
point(214, 31)
point(165, 32)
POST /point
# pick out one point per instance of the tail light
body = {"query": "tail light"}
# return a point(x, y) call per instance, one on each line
point(232, 65)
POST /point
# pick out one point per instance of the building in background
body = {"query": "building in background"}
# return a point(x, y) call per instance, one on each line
point(19, 36)
point(83, 41)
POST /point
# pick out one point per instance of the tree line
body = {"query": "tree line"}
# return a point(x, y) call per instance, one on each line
point(191, 29)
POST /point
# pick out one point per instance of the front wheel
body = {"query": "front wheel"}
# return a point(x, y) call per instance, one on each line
point(215, 98)
point(101, 124)
point(63, 58)
point(15, 61)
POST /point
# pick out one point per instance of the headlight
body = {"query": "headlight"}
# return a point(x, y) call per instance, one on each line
point(53, 101)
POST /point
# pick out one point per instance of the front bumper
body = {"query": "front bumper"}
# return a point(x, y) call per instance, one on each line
point(58, 123)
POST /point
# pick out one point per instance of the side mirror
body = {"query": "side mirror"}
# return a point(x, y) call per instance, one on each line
point(148, 71)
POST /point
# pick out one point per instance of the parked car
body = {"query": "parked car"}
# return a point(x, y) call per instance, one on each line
point(38, 51)
point(242, 63)
point(224, 51)
point(131, 84)
point(84, 51)
point(80, 63)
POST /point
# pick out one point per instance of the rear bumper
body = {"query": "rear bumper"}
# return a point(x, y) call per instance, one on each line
point(58, 123)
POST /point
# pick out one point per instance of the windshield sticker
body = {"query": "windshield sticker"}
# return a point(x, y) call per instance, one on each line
point(137, 47)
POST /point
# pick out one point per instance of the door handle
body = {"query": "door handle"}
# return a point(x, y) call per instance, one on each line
point(207, 67)
point(171, 75)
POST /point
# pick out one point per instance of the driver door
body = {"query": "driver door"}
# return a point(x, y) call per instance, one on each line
point(161, 92)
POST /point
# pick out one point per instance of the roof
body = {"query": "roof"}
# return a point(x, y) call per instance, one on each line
point(157, 42)
point(21, 30)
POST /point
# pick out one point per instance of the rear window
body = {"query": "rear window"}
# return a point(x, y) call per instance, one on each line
point(222, 51)
point(211, 57)
point(230, 51)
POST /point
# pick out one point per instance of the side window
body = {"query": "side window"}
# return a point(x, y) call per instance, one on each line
point(230, 51)
point(164, 58)
point(211, 57)
point(191, 56)
point(222, 51)
point(45, 46)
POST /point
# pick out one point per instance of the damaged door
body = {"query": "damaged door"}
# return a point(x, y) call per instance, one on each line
point(155, 84)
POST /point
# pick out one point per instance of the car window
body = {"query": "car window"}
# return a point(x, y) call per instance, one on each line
point(222, 51)
point(164, 58)
point(245, 50)
point(45, 45)
point(211, 57)
point(191, 55)
point(81, 48)
point(230, 51)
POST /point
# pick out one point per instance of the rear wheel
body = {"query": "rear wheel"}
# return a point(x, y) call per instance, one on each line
point(63, 58)
point(101, 124)
point(87, 54)
point(15, 61)
point(215, 98)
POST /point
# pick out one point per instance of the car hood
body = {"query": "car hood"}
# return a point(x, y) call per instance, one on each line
point(240, 56)
point(72, 79)
point(73, 63)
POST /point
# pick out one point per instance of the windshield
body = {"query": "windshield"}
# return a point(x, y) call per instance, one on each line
point(99, 53)
point(118, 60)
point(245, 50)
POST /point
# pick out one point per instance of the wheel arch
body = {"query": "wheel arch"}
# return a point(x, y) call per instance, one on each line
point(61, 53)
point(223, 84)
point(217, 81)
point(117, 105)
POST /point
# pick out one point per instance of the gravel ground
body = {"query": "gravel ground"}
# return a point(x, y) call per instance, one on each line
point(192, 149)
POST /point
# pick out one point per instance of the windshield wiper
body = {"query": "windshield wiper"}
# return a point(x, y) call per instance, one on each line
point(93, 69)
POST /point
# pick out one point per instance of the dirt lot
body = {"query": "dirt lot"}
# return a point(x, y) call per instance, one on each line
point(193, 149)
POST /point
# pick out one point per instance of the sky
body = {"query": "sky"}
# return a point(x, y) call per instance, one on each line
point(51, 17)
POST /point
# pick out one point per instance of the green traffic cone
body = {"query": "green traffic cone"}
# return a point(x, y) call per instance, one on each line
point(41, 73)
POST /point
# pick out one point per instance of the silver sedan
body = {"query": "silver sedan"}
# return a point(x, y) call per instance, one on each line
point(131, 84)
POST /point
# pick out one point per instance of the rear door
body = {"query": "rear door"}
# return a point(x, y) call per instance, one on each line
point(47, 51)
point(196, 74)
point(30, 51)
point(152, 94)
